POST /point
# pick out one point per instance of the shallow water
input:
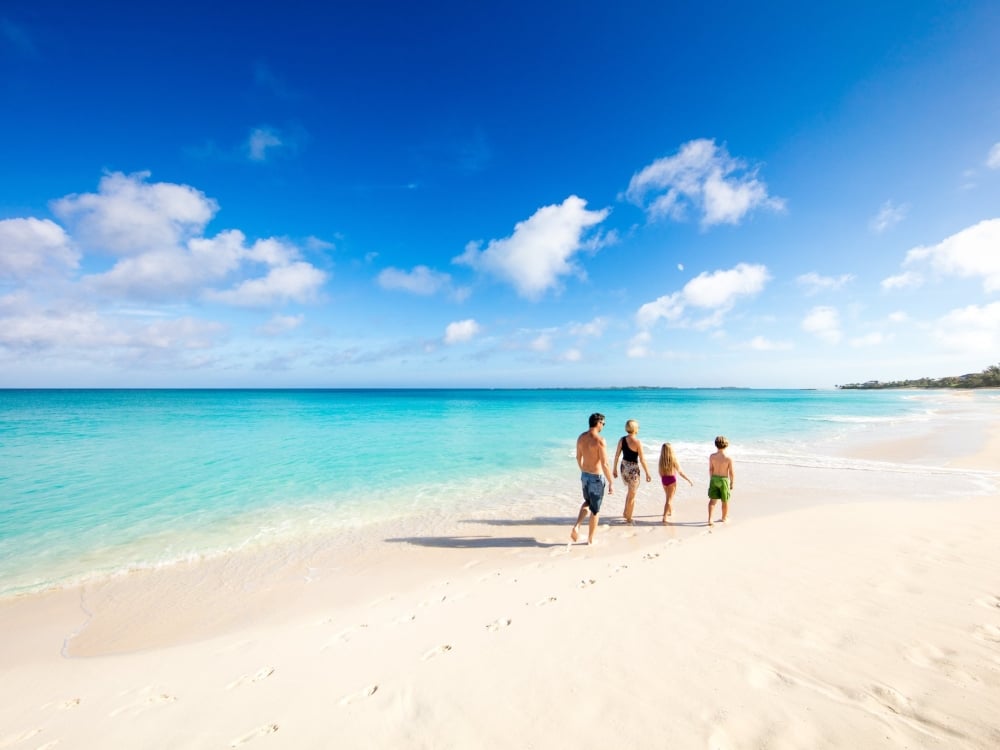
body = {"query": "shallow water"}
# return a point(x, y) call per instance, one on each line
point(93, 482)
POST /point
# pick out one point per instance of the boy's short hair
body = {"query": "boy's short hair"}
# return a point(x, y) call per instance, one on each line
point(721, 442)
point(596, 418)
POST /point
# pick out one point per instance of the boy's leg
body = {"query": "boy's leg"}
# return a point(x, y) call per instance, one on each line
point(725, 510)
point(711, 507)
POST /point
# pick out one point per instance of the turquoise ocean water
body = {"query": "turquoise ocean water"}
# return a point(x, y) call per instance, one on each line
point(93, 482)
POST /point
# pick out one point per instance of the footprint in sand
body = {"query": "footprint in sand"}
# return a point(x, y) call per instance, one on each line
point(144, 704)
point(13, 739)
point(258, 732)
point(543, 602)
point(406, 618)
point(496, 625)
point(990, 602)
point(651, 556)
point(988, 633)
point(261, 674)
point(584, 583)
point(435, 652)
point(368, 692)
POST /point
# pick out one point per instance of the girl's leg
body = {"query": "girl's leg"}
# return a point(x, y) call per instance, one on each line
point(668, 509)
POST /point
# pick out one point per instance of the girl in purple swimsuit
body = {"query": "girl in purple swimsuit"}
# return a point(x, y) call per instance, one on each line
point(669, 469)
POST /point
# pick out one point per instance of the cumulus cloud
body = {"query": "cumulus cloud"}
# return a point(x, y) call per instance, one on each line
point(905, 280)
point(888, 216)
point(297, 282)
point(129, 216)
point(824, 323)
point(421, 280)
point(993, 157)
point(702, 177)
point(717, 291)
point(974, 251)
point(32, 247)
point(974, 329)
point(461, 331)
point(814, 283)
point(540, 250)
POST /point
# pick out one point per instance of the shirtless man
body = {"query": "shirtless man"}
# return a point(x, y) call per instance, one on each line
point(592, 458)
point(721, 478)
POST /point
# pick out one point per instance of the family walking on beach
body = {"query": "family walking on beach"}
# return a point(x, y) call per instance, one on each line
point(596, 474)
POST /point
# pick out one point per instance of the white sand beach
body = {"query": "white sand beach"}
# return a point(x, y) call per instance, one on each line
point(859, 621)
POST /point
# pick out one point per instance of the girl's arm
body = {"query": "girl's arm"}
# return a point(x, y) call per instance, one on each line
point(618, 452)
point(681, 472)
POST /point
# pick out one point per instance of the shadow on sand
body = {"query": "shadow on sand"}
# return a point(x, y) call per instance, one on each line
point(474, 542)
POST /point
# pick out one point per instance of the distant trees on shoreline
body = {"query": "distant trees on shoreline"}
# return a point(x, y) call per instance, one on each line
point(988, 378)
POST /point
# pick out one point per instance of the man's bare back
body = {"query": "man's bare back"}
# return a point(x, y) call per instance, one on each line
point(592, 453)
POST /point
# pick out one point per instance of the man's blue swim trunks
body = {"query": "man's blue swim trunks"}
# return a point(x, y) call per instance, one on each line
point(593, 491)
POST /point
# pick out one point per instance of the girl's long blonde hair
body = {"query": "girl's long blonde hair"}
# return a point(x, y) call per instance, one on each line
point(668, 463)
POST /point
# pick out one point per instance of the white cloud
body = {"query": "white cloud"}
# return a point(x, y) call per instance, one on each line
point(905, 280)
point(572, 355)
point(128, 216)
point(461, 331)
point(702, 175)
point(888, 216)
point(638, 346)
point(421, 280)
point(540, 250)
point(29, 247)
point(824, 323)
point(762, 344)
point(298, 282)
point(261, 141)
point(280, 324)
point(993, 157)
point(717, 291)
point(974, 251)
point(542, 343)
point(898, 317)
point(974, 329)
point(595, 328)
point(814, 283)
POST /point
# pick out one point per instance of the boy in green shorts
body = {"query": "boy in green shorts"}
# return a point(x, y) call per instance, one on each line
point(721, 479)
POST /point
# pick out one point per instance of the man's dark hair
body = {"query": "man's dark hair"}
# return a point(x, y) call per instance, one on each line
point(596, 418)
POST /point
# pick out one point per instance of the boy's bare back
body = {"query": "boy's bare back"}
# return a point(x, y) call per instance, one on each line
point(720, 465)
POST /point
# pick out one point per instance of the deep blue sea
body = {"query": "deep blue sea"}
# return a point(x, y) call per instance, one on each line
point(93, 482)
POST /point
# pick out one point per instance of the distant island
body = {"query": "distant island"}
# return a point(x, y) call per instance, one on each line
point(988, 378)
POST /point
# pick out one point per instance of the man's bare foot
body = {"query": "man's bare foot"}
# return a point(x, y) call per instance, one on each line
point(574, 534)
point(710, 523)
point(664, 520)
point(629, 521)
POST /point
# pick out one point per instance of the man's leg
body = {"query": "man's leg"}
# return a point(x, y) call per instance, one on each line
point(575, 533)
point(592, 527)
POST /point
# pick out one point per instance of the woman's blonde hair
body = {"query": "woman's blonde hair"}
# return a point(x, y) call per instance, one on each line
point(668, 463)
point(631, 427)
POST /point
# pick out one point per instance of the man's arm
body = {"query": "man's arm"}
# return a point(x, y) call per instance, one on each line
point(603, 453)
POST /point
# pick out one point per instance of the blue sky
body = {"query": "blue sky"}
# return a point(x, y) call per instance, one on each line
point(524, 194)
